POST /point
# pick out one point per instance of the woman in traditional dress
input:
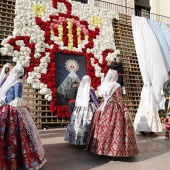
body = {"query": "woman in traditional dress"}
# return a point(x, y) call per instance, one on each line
point(4, 72)
point(20, 145)
point(85, 106)
point(147, 117)
point(112, 132)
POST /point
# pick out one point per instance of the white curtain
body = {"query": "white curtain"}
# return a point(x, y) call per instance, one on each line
point(155, 26)
point(147, 117)
point(149, 55)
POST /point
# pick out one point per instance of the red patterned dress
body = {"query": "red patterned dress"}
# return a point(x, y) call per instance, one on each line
point(112, 132)
point(20, 144)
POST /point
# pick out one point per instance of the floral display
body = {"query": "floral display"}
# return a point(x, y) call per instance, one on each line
point(44, 27)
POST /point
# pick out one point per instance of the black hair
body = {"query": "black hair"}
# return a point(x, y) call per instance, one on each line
point(6, 70)
point(0, 44)
point(12, 63)
point(74, 83)
point(25, 71)
point(169, 72)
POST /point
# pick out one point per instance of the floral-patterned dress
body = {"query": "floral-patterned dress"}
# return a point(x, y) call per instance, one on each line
point(112, 132)
point(20, 145)
point(81, 118)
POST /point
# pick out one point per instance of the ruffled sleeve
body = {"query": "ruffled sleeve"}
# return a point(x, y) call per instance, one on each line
point(18, 90)
point(18, 102)
point(93, 96)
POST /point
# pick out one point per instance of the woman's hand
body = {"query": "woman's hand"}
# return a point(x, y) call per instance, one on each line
point(28, 108)
point(2, 103)
point(108, 63)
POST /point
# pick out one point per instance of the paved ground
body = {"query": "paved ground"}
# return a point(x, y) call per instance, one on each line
point(154, 154)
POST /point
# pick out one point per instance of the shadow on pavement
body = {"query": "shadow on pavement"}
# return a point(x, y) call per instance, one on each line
point(65, 156)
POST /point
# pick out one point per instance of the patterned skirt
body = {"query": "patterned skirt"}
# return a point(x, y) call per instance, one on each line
point(20, 145)
point(112, 132)
point(78, 128)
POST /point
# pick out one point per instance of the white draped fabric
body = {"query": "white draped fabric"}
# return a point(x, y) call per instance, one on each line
point(159, 33)
point(147, 118)
point(149, 55)
point(2, 73)
point(153, 70)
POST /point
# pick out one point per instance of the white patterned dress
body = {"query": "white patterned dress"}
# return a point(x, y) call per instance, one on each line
point(78, 128)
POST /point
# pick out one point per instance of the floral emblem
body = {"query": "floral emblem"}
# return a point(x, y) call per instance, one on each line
point(42, 28)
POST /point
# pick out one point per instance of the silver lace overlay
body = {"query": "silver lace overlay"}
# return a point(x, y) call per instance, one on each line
point(32, 131)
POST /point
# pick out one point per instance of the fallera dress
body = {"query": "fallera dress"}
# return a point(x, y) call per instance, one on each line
point(78, 128)
point(20, 144)
point(112, 132)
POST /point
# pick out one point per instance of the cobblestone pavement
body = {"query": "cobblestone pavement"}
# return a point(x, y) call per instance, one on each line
point(154, 154)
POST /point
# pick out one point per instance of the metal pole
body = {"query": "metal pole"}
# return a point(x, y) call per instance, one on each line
point(126, 6)
point(126, 9)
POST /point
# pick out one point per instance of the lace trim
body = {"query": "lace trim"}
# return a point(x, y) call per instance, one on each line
point(32, 131)
point(108, 96)
point(39, 166)
point(18, 102)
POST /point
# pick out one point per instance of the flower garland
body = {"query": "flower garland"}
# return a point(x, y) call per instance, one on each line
point(42, 28)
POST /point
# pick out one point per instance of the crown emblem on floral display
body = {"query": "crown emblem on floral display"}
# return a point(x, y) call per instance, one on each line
point(44, 28)
point(72, 65)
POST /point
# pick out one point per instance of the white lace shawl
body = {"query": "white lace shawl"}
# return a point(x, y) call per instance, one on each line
point(12, 79)
point(83, 94)
point(108, 87)
point(2, 73)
